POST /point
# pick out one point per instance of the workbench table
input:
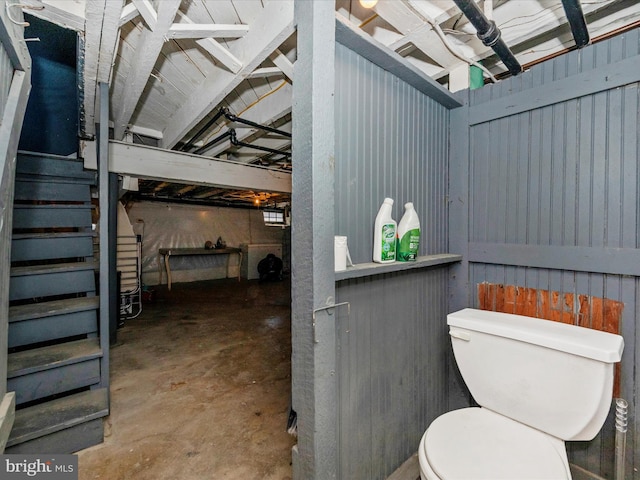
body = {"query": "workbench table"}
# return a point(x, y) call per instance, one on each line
point(167, 253)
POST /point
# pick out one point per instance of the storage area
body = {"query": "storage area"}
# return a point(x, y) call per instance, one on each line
point(156, 153)
point(253, 253)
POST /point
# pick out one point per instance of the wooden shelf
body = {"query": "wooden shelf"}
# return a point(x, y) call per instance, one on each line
point(366, 269)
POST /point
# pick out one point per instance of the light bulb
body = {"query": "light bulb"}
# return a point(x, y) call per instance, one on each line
point(368, 3)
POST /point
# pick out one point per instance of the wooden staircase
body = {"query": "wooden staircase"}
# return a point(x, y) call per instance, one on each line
point(55, 362)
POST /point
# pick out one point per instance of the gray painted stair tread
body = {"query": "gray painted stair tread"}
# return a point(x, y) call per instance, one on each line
point(31, 163)
point(50, 417)
point(56, 307)
point(54, 356)
point(52, 268)
point(50, 206)
point(24, 236)
point(82, 179)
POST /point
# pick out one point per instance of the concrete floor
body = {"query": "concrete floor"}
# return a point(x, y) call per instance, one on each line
point(200, 387)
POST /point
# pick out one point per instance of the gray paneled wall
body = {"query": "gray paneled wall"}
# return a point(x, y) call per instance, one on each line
point(552, 197)
point(391, 141)
point(391, 350)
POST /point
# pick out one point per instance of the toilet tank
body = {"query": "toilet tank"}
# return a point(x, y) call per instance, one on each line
point(555, 377)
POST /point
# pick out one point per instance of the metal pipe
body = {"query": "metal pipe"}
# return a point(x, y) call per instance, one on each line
point(234, 118)
point(575, 17)
point(621, 437)
point(189, 144)
point(238, 143)
point(213, 142)
point(489, 33)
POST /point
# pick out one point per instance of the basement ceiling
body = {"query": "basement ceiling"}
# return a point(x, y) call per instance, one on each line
point(214, 77)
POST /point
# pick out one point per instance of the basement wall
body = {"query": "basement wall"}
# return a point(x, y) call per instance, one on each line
point(390, 141)
point(545, 182)
point(165, 225)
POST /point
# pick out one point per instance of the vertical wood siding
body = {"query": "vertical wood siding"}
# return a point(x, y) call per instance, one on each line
point(391, 141)
point(391, 351)
point(554, 199)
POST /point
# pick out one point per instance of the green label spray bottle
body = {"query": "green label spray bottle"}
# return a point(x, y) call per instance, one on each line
point(384, 235)
point(408, 235)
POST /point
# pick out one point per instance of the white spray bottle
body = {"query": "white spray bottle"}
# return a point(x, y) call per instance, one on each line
point(408, 235)
point(384, 235)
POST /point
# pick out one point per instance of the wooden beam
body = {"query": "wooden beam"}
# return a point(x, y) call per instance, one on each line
point(129, 12)
point(100, 42)
point(606, 260)
point(148, 13)
point(53, 14)
point(280, 60)
point(221, 54)
point(271, 28)
point(147, 132)
point(12, 41)
point(217, 51)
point(159, 164)
point(213, 30)
point(265, 72)
point(146, 55)
point(404, 19)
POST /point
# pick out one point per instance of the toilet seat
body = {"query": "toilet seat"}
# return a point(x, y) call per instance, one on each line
point(478, 444)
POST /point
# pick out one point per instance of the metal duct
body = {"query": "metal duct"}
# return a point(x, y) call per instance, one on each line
point(573, 10)
point(489, 33)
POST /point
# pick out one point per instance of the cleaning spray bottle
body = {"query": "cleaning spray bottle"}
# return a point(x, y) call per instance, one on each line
point(384, 235)
point(408, 235)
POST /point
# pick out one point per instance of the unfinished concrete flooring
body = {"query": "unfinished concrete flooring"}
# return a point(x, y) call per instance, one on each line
point(200, 387)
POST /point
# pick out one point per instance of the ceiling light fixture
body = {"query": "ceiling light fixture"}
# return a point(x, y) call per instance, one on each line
point(368, 3)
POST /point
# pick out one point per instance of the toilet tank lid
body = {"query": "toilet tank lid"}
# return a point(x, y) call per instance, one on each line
point(585, 342)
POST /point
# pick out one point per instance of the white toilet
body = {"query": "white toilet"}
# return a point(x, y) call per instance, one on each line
point(538, 383)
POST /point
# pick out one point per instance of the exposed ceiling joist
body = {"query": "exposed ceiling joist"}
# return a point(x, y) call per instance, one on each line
point(271, 28)
point(404, 19)
point(221, 54)
point(59, 13)
point(156, 163)
point(200, 30)
point(146, 55)
point(213, 47)
point(100, 42)
point(148, 13)
point(266, 72)
point(129, 12)
point(280, 60)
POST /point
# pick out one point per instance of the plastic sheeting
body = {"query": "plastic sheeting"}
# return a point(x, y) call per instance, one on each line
point(167, 225)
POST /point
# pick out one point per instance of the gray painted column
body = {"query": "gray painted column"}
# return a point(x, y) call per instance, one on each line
point(103, 197)
point(313, 283)
point(459, 293)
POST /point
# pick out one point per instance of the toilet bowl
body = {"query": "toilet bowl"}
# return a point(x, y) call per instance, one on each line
point(476, 443)
point(538, 383)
